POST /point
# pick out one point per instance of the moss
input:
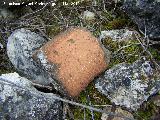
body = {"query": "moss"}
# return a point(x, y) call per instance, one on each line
point(146, 112)
point(155, 53)
point(132, 53)
point(5, 65)
point(110, 44)
point(120, 54)
point(95, 98)
point(107, 15)
point(53, 30)
point(1, 109)
point(117, 23)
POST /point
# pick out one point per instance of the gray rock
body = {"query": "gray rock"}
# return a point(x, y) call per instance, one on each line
point(20, 47)
point(156, 100)
point(88, 16)
point(145, 13)
point(19, 100)
point(129, 85)
point(118, 35)
point(1, 46)
point(118, 111)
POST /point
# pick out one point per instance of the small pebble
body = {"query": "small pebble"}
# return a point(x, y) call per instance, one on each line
point(1, 46)
point(88, 16)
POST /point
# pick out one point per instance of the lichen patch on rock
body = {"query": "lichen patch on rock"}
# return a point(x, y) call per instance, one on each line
point(129, 85)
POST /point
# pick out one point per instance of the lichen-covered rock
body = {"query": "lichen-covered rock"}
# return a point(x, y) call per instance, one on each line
point(19, 100)
point(74, 58)
point(88, 16)
point(20, 47)
point(129, 85)
point(118, 111)
point(118, 35)
point(145, 13)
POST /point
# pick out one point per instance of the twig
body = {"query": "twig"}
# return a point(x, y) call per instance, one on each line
point(88, 98)
point(71, 116)
point(125, 47)
point(42, 86)
point(36, 11)
point(64, 110)
point(55, 15)
point(84, 116)
point(145, 49)
point(102, 105)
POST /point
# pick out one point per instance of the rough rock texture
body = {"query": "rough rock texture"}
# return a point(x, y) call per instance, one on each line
point(129, 85)
point(88, 16)
point(118, 35)
point(19, 100)
point(1, 46)
point(20, 47)
point(74, 58)
point(118, 111)
point(145, 13)
point(156, 100)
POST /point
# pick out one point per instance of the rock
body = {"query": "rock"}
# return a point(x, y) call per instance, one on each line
point(129, 85)
point(156, 100)
point(116, 1)
point(118, 35)
point(20, 47)
point(118, 111)
point(73, 58)
point(1, 46)
point(88, 16)
point(145, 13)
point(19, 100)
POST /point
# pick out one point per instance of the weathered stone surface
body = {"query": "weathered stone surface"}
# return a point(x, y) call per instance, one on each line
point(118, 35)
point(1, 46)
point(74, 58)
point(88, 16)
point(156, 100)
point(129, 85)
point(19, 100)
point(118, 111)
point(20, 47)
point(145, 13)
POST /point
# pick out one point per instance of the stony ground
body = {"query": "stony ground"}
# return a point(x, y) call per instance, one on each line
point(49, 21)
